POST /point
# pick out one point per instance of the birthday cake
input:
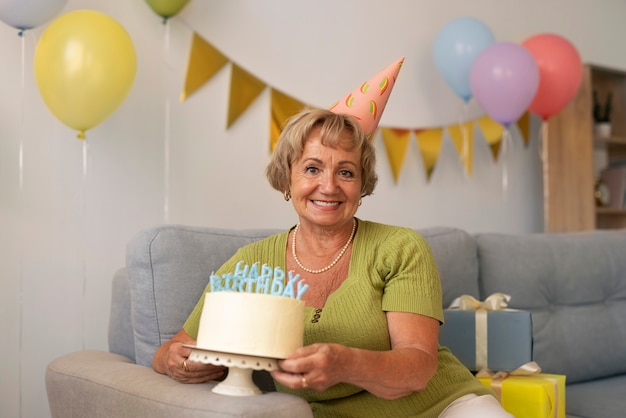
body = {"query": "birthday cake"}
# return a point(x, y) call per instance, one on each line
point(254, 312)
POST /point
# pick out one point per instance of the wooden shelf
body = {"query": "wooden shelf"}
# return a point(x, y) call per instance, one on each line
point(570, 150)
point(611, 211)
point(610, 218)
point(618, 140)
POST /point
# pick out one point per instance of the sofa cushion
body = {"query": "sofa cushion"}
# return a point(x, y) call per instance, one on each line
point(575, 286)
point(168, 268)
point(603, 398)
point(95, 384)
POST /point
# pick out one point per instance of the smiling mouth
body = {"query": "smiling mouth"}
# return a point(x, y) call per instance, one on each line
point(324, 203)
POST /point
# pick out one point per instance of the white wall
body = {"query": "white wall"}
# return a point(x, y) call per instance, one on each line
point(63, 230)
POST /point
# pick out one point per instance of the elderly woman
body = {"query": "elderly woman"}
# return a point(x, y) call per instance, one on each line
point(374, 303)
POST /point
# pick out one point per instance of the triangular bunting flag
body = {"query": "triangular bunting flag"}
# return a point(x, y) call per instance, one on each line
point(429, 142)
point(523, 124)
point(204, 62)
point(396, 141)
point(244, 89)
point(492, 132)
point(282, 108)
point(462, 136)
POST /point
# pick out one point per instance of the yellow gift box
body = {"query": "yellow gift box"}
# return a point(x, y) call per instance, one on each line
point(537, 395)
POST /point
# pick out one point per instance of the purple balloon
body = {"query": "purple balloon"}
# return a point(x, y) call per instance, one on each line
point(504, 79)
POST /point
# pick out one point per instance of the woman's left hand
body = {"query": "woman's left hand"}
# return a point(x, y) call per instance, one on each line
point(388, 374)
point(315, 367)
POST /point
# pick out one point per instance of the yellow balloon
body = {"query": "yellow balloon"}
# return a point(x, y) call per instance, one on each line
point(85, 65)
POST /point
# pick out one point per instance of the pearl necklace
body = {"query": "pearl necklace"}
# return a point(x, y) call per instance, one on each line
point(331, 265)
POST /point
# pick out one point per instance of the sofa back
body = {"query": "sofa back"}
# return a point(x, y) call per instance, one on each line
point(167, 268)
point(575, 286)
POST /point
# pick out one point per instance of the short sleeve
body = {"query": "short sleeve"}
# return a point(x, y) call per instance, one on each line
point(412, 283)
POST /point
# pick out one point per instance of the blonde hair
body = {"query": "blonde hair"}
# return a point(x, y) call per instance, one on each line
point(333, 131)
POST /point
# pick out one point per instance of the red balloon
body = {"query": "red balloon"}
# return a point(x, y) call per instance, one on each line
point(560, 73)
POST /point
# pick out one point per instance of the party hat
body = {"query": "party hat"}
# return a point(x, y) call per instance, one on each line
point(367, 102)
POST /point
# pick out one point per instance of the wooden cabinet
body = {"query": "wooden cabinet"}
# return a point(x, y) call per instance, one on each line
point(573, 157)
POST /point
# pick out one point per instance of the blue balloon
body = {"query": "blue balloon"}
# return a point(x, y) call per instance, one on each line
point(27, 14)
point(455, 49)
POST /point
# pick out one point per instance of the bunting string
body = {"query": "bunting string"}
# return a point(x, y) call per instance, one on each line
point(205, 61)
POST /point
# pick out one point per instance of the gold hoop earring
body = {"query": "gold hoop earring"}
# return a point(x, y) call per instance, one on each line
point(287, 195)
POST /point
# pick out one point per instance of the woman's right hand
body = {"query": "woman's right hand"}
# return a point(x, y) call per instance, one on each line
point(172, 359)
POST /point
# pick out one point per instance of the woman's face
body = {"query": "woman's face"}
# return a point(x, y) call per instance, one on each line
point(326, 183)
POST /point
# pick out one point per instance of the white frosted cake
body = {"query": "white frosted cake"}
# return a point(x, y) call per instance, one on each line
point(252, 324)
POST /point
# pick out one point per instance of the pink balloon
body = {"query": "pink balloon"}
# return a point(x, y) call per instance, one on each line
point(560, 73)
point(504, 80)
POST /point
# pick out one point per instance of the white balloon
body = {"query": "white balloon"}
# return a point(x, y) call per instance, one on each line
point(28, 14)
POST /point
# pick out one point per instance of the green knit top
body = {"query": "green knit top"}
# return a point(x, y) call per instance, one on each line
point(391, 269)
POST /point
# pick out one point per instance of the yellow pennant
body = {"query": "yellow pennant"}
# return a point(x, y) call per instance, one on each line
point(462, 136)
point(396, 142)
point(524, 126)
point(244, 89)
point(204, 62)
point(282, 108)
point(429, 142)
point(492, 132)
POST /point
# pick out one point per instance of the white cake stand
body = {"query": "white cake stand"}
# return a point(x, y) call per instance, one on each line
point(239, 380)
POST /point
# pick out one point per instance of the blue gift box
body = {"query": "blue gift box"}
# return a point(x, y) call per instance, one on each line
point(504, 341)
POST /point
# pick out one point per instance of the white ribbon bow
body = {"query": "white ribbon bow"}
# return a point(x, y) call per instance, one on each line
point(495, 302)
point(530, 369)
point(527, 369)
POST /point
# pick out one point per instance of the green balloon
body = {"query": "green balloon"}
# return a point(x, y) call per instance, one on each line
point(167, 8)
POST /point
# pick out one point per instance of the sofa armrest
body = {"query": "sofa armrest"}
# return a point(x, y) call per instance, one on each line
point(100, 384)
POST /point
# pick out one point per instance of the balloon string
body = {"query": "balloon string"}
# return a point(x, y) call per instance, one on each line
point(166, 145)
point(84, 240)
point(546, 175)
point(85, 165)
point(465, 146)
point(23, 87)
point(506, 143)
point(22, 223)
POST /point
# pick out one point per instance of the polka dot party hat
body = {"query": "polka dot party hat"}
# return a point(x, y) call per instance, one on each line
point(367, 102)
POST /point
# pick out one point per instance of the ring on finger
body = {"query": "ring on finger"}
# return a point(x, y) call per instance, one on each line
point(185, 368)
point(304, 383)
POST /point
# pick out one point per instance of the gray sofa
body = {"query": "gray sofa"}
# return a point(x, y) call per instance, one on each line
point(574, 285)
